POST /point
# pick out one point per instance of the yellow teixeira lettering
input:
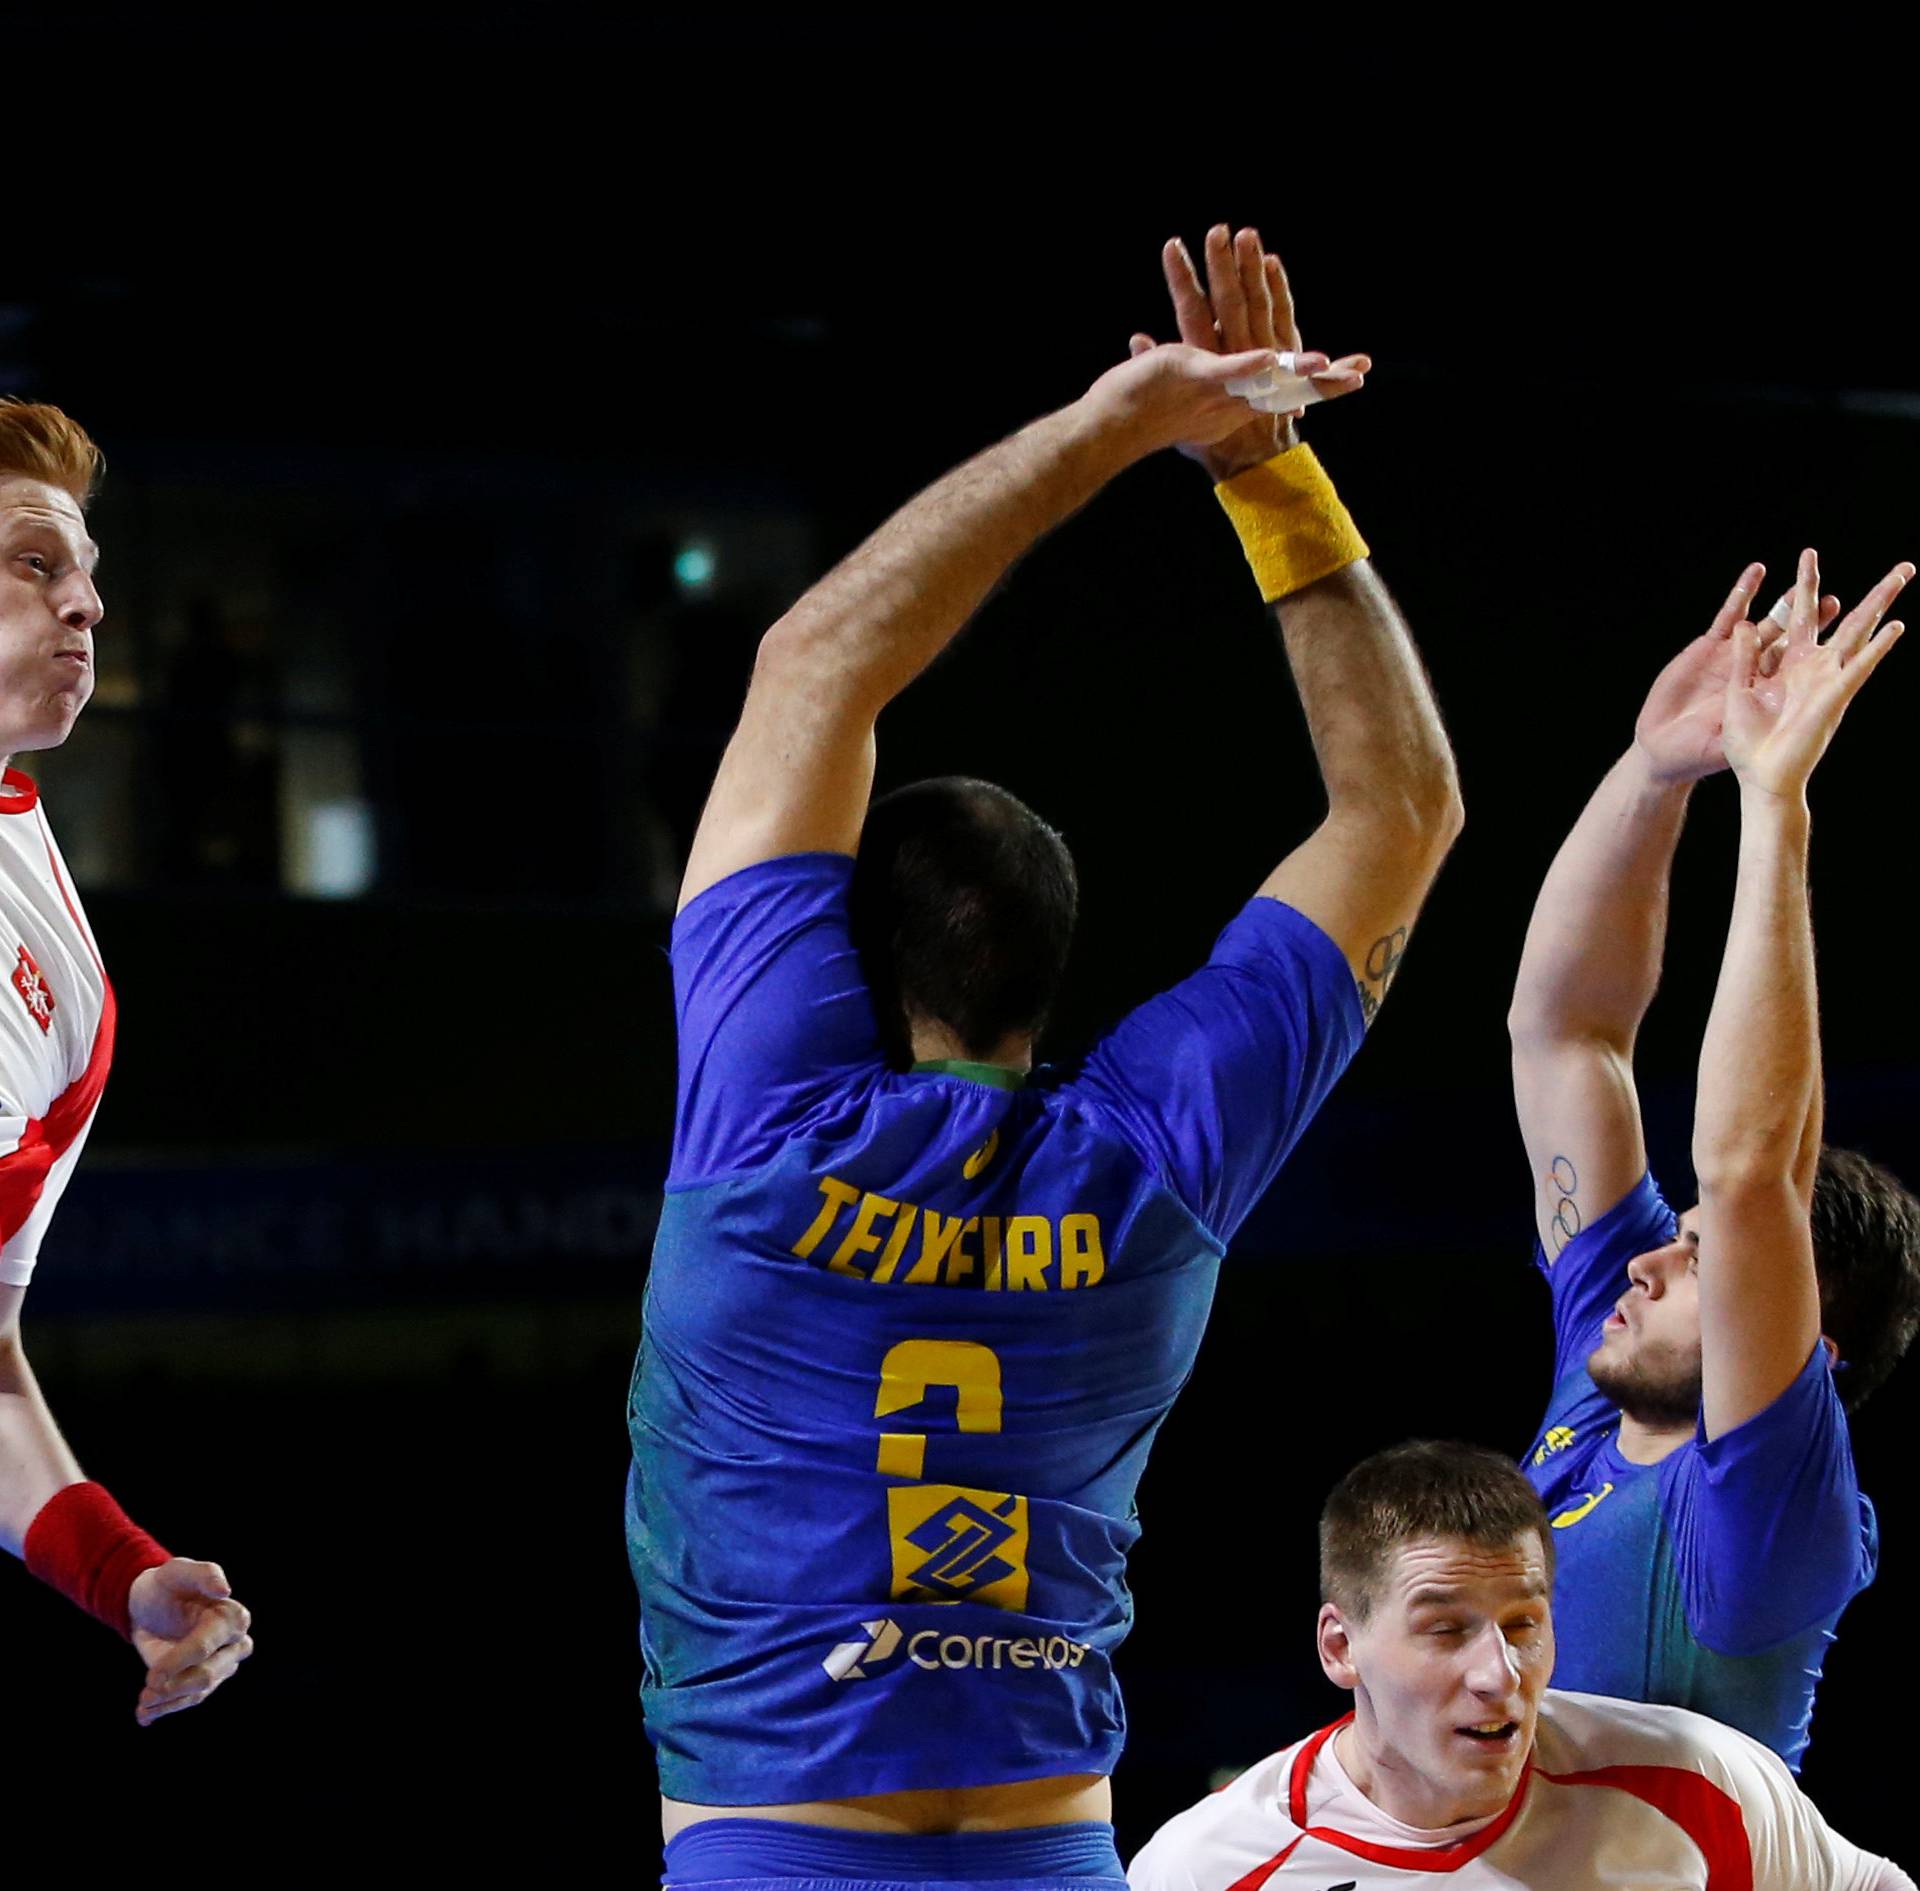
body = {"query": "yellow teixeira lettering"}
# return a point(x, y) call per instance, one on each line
point(839, 1195)
point(962, 1261)
point(998, 1252)
point(971, 1369)
point(896, 1242)
point(1029, 1252)
point(938, 1233)
point(1082, 1263)
point(860, 1237)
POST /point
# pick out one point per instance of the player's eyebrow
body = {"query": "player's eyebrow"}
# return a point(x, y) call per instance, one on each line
point(1440, 1596)
point(51, 522)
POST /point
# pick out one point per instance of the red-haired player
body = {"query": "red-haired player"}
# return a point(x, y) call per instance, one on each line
point(56, 1043)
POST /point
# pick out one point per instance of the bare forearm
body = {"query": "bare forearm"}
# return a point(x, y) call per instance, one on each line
point(888, 609)
point(1759, 1062)
point(1591, 963)
point(1376, 729)
point(35, 1463)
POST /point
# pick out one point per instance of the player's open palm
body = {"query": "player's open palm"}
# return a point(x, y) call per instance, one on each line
point(1247, 304)
point(1780, 715)
point(189, 1631)
point(1678, 729)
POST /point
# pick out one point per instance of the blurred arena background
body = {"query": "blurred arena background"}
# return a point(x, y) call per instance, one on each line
point(473, 395)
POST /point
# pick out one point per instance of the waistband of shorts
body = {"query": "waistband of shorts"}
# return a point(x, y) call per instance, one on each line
point(720, 1849)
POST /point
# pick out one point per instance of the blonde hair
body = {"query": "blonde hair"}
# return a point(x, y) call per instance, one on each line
point(40, 442)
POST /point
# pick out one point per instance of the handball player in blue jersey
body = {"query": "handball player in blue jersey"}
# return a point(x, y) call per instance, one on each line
point(917, 1309)
point(1694, 1457)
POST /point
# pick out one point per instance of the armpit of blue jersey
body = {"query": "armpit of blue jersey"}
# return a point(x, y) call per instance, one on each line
point(909, 1337)
point(1713, 1579)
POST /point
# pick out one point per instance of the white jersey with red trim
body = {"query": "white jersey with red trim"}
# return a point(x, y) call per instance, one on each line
point(1615, 1793)
point(56, 1027)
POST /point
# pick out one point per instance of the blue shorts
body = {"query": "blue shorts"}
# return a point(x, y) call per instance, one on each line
point(773, 1855)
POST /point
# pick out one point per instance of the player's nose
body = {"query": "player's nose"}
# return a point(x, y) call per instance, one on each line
point(80, 607)
point(1492, 1673)
point(1649, 1271)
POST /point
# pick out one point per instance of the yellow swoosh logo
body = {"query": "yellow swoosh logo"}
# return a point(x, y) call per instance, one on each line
point(1567, 1518)
point(982, 1156)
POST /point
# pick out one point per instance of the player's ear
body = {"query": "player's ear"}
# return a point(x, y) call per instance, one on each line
point(1336, 1648)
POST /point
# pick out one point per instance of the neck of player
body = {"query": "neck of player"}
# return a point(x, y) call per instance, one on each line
point(933, 1043)
point(1645, 1441)
point(1404, 1790)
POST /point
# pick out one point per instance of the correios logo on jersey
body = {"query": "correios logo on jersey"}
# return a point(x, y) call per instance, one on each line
point(931, 1650)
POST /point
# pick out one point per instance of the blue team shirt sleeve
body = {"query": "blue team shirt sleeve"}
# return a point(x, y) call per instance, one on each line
point(773, 1011)
point(1590, 1273)
point(1212, 1082)
point(1769, 1530)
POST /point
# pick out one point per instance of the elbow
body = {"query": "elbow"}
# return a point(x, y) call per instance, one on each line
point(1418, 805)
point(1768, 1144)
point(1449, 811)
point(1528, 1024)
point(1423, 818)
point(802, 659)
point(1735, 1174)
point(789, 646)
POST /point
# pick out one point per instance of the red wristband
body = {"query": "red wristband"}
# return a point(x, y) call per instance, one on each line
point(83, 1544)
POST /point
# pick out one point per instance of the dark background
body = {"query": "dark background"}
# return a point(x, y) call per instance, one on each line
point(420, 350)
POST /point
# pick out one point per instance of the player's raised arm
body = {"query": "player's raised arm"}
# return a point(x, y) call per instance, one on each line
point(797, 774)
point(1393, 799)
point(1756, 1119)
point(1592, 958)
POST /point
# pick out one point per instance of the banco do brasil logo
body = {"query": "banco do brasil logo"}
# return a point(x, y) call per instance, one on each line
point(931, 1650)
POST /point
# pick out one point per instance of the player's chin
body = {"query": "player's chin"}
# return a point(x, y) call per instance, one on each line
point(1615, 1351)
point(52, 728)
point(1488, 1763)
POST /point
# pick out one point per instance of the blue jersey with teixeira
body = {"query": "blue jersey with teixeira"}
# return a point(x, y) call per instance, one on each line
point(1712, 1579)
point(908, 1338)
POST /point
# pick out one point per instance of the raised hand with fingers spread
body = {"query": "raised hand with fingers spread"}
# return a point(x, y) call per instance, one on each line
point(1779, 715)
point(1678, 729)
point(1247, 304)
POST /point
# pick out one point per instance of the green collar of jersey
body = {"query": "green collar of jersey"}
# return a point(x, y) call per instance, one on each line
point(996, 1074)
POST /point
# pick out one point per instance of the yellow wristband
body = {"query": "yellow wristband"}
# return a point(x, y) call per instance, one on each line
point(1292, 525)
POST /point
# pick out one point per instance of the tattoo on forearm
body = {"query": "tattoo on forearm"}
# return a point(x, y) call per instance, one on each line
point(1563, 1183)
point(1383, 960)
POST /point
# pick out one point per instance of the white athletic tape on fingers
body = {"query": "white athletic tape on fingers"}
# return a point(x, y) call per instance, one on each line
point(1295, 392)
point(1782, 612)
point(1247, 385)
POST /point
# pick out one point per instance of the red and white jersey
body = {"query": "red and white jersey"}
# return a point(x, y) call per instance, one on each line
point(1615, 1793)
point(56, 1027)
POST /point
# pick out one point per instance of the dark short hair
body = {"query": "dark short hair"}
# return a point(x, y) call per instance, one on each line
point(962, 905)
point(1866, 1251)
point(1428, 1487)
